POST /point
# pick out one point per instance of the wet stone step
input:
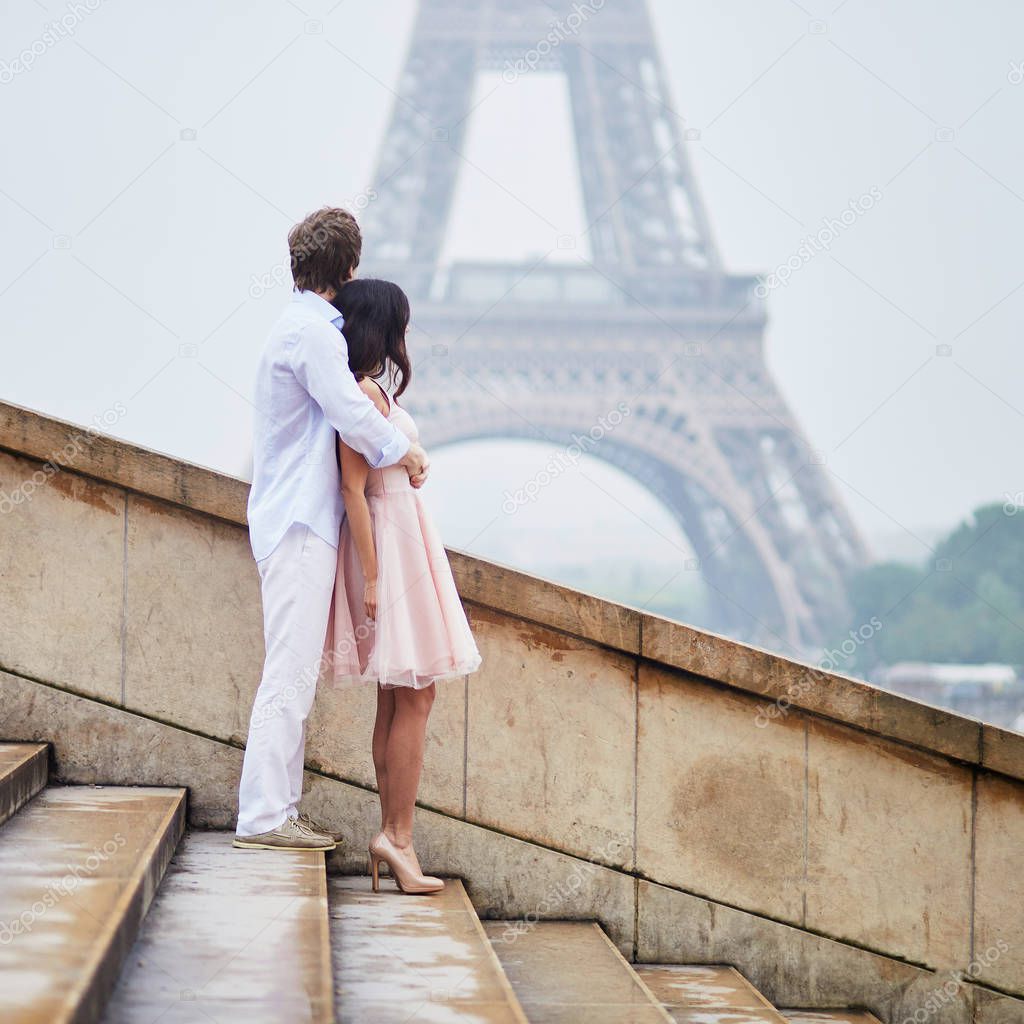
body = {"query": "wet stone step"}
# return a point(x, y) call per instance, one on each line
point(232, 935)
point(78, 869)
point(565, 972)
point(23, 773)
point(401, 958)
point(715, 994)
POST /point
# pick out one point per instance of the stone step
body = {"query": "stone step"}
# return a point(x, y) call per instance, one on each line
point(565, 972)
point(232, 935)
point(830, 1017)
point(23, 773)
point(412, 959)
point(708, 995)
point(78, 869)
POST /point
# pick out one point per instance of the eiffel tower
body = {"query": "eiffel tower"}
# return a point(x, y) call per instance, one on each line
point(547, 350)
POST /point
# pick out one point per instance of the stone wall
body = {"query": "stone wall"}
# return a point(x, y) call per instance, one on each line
point(699, 772)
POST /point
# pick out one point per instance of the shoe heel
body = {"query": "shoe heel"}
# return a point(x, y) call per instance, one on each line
point(375, 872)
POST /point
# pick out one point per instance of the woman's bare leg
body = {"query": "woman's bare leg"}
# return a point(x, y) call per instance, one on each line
point(404, 760)
point(381, 730)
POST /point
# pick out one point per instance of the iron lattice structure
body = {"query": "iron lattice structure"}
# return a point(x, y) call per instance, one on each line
point(546, 350)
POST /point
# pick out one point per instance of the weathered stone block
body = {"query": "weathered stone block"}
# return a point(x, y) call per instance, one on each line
point(551, 739)
point(61, 573)
point(194, 634)
point(791, 967)
point(720, 794)
point(888, 846)
point(999, 884)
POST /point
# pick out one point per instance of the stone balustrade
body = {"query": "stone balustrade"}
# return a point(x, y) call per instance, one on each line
point(715, 797)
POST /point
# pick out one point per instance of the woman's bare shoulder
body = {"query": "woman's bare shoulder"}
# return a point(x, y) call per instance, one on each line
point(376, 395)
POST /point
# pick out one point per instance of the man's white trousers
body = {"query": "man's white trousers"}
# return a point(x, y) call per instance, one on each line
point(296, 582)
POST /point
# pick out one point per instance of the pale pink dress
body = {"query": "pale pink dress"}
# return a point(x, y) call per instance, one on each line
point(421, 634)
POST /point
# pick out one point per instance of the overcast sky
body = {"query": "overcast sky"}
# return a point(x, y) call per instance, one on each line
point(157, 155)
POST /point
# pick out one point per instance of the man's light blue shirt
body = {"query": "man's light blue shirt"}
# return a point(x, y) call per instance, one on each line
point(306, 396)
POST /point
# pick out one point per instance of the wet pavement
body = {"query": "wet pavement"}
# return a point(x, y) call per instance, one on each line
point(708, 995)
point(232, 935)
point(76, 864)
point(422, 959)
point(565, 972)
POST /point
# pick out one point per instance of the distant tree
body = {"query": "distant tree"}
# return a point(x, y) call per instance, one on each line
point(965, 604)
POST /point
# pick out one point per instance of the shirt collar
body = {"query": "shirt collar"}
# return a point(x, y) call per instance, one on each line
point(320, 305)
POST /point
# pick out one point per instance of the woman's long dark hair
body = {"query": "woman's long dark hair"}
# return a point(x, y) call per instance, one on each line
point(376, 317)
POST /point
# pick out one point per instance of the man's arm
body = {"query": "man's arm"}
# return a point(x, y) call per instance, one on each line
point(320, 364)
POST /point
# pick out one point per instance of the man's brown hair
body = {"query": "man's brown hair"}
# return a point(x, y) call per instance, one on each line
point(325, 249)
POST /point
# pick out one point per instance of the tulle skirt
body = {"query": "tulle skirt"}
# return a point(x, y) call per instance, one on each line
point(420, 634)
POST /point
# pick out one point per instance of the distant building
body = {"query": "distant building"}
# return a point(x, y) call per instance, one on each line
point(991, 692)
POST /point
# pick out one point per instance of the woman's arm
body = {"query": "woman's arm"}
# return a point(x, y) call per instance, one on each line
point(354, 471)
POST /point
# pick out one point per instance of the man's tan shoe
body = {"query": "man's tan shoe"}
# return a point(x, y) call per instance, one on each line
point(292, 835)
point(321, 830)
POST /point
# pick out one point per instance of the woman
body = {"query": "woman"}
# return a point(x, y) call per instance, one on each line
point(397, 620)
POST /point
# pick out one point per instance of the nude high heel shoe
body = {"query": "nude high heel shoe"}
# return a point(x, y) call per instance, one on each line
point(402, 866)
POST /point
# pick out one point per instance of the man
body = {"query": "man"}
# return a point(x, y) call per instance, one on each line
point(305, 396)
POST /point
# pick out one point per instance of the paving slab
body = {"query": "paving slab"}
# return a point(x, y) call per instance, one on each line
point(416, 959)
point(565, 972)
point(711, 994)
point(232, 935)
point(78, 869)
